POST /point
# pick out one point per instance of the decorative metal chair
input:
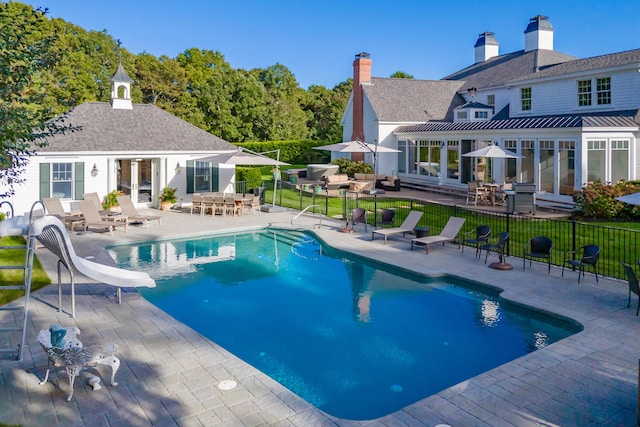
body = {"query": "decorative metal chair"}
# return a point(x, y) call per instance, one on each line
point(63, 348)
point(538, 247)
point(633, 284)
point(483, 232)
point(590, 255)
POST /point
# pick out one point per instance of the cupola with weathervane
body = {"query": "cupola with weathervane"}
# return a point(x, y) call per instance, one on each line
point(121, 90)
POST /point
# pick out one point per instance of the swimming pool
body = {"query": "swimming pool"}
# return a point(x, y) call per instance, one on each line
point(355, 338)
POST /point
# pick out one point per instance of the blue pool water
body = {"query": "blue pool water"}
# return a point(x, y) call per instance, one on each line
point(355, 338)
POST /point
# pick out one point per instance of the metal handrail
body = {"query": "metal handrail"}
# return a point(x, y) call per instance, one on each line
point(306, 209)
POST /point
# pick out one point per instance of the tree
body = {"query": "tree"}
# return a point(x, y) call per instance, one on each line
point(401, 75)
point(325, 108)
point(25, 60)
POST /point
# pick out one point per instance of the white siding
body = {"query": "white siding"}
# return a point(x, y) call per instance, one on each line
point(560, 96)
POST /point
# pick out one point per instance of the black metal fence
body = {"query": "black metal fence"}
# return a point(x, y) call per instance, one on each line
point(616, 244)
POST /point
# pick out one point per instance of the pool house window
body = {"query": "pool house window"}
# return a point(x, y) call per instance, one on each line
point(202, 177)
point(62, 180)
point(525, 98)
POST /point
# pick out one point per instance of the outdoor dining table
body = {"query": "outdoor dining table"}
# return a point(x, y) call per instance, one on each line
point(493, 188)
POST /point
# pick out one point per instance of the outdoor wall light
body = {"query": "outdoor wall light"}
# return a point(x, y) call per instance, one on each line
point(94, 170)
point(178, 168)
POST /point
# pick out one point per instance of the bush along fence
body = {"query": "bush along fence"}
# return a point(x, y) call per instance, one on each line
point(616, 244)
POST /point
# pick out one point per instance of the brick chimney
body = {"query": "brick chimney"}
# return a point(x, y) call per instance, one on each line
point(361, 74)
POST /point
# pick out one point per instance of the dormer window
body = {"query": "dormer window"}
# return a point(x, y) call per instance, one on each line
point(602, 93)
point(473, 112)
point(525, 98)
point(491, 100)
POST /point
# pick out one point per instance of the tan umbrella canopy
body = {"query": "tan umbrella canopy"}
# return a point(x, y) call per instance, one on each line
point(356, 147)
point(494, 152)
point(243, 158)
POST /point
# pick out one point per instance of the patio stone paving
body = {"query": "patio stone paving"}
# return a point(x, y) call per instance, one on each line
point(169, 373)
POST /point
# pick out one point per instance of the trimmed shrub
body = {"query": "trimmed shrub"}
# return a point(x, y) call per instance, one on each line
point(597, 200)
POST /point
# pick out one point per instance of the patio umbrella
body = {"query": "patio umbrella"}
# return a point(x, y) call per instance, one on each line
point(358, 146)
point(243, 158)
point(494, 152)
point(632, 199)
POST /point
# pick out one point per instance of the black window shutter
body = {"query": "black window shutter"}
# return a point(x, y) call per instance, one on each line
point(190, 176)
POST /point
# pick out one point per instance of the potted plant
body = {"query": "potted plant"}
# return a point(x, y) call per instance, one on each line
point(167, 198)
point(110, 201)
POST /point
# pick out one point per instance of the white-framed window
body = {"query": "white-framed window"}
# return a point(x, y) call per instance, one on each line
point(597, 160)
point(202, 175)
point(547, 169)
point(491, 100)
point(62, 180)
point(603, 90)
point(461, 115)
point(584, 93)
point(619, 159)
point(525, 99)
point(511, 165)
point(481, 115)
point(567, 165)
point(602, 94)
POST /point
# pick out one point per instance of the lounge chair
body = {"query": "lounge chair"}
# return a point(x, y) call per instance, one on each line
point(407, 226)
point(95, 199)
point(52, 234)
point(448, 234)
point(54, 207)
point(126, 205)
point(92, 218)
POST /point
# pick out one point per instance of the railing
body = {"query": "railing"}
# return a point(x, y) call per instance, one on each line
point(305, 210)
point(616, 244)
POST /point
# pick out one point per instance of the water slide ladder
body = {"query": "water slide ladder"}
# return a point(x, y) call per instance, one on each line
point(15, 323)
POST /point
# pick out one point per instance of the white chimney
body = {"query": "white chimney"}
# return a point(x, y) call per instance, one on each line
point(539, 34)
point(486, 46)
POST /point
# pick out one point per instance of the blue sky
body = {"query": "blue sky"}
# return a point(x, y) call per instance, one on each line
point(318, 39)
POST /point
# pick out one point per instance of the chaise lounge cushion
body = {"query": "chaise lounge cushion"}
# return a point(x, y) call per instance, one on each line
point(334, 182)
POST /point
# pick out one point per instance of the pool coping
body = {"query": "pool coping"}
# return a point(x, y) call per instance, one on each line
point(170, 372)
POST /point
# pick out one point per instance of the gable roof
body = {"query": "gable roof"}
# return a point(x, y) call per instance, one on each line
point(626, 118)
point(409, 100)
point(144, 128)
point(629, 57)
point(508, 67)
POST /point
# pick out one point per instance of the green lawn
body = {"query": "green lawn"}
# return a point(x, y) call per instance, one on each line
point(39, 277)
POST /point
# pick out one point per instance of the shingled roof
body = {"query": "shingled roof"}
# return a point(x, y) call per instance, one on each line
point(508, 67)
point(144, 128)
point(629, 57)
point(626, 118)
point(409, 100)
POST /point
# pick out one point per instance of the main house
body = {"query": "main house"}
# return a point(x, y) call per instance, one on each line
point(571, 120)
point(135, 148)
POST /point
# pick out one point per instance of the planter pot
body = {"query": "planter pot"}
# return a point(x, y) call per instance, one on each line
point(317, 189)
point(306, 187)
point(114, 209)
point(341, 191)
point(165, 206)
